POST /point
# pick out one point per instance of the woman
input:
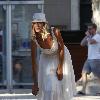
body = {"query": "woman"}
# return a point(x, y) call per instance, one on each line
point(54, 77)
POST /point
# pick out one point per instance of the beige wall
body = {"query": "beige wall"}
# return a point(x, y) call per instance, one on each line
point(58, 12)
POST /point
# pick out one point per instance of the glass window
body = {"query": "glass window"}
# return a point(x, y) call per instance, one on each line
point(2, 44)
point(21, 30)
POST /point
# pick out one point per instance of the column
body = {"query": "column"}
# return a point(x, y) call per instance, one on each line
point(75, 19)
point(9, 47)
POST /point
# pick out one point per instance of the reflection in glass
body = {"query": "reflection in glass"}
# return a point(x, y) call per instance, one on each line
point(2, 46)
point(21, 30)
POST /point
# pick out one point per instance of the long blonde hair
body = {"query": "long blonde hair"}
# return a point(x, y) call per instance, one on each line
point(45, 30)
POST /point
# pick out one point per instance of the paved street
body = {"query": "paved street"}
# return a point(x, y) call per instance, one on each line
point(18, 94)
point(87, 98)
point(25, 94)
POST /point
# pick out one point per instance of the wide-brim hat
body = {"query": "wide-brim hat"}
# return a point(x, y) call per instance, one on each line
point(39, 17)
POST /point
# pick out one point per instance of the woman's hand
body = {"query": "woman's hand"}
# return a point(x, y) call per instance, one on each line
point(35, 89)
point(59, 73)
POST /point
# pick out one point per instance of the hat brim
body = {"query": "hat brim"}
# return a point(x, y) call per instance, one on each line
point(34, 21)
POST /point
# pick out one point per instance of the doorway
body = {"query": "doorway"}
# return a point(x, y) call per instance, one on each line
point(85, 13)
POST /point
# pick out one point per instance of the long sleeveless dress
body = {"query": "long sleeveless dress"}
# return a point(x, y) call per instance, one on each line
point(50, 88)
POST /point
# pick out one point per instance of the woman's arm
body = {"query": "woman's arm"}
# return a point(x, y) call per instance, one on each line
point(34, 65)
point(35, 88)
point(60, 53)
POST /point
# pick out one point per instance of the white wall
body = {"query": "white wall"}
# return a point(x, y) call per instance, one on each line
point(75, 15)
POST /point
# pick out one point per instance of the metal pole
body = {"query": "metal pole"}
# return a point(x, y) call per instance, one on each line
point(8, 48)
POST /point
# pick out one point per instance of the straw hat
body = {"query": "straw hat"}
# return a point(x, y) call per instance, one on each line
point(39, 17)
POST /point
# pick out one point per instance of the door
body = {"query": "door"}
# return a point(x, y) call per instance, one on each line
point(85, 13)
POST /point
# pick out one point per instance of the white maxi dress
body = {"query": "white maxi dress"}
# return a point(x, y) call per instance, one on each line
point(50, 88)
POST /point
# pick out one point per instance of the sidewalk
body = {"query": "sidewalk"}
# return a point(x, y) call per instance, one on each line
point(25, 94)
point(87, 98)
point(18, 94)
point(92, 88)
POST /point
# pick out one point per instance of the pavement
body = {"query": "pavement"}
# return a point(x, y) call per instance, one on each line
point(17, 94)
point(93, 87)
point(25, 94)
point(86, 97)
